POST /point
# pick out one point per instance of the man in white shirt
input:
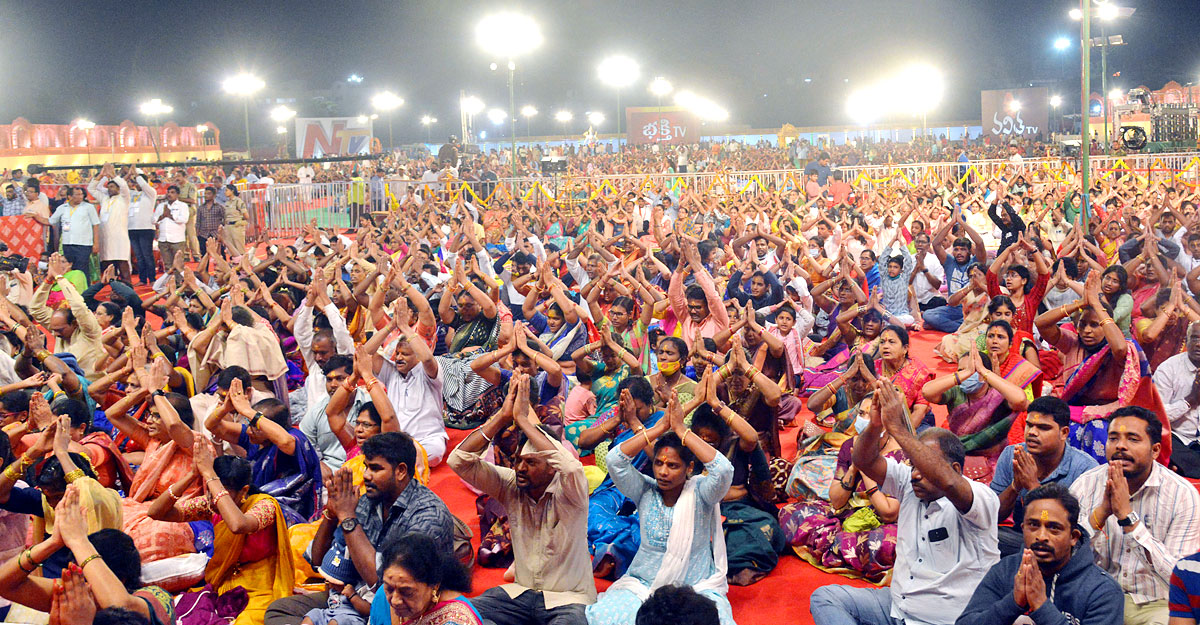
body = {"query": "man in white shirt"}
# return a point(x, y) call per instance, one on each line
point(171, 218)
point(927, 275)
point(113, 194)
point(1142, 517)
point(1178, 382)
point(414, 385)
point(318, 347)
point(946, 530)
point(141, 225)
point(305, 174)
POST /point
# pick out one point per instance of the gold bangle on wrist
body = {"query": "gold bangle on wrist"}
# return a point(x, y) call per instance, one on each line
point(683, 441)
point(646, 436)
point(87, 560)
point(74, 475)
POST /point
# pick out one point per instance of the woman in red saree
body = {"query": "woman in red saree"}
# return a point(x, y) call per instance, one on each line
point(906, 372)
point(166, 434)
point(1024, 290)
point(1104, 371)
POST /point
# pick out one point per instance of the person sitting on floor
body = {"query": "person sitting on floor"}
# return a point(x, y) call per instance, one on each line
point(1139, 551)
point(946, 531)
point(1053, 579)
point(1044, 458)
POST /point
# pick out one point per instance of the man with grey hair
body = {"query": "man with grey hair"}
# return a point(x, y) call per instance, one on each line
point(1178, 382)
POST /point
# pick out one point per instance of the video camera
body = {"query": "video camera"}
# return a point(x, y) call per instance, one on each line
point(9, 262)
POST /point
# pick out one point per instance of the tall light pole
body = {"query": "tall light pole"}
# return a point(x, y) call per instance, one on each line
point(281, 115)
point(470, 107)
point(660, 87)
point(508, 36)
point(87, 126)
point(386, 102)
point(563, 117)
point(1106, 11)
point(244, 85)
point(154, 108)
point(528, 111)
point(202, 129)
point(427, 122)
point(618, 71)
point(1055, 102)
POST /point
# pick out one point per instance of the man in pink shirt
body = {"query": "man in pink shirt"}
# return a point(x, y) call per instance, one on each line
point(700, 307)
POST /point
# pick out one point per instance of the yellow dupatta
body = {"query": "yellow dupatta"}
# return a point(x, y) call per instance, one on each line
point(101, 505)
point(225, 567)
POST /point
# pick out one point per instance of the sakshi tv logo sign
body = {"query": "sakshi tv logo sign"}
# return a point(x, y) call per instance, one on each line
point(332, 136)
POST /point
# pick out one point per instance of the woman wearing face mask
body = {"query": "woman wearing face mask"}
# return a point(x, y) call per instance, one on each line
point(680, 521)
point(983, 398)
point(849, 529)
point(672, 356)
point(1102, 370)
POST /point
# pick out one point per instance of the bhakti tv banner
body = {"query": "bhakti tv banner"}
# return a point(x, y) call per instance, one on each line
point(332, 136)
point(670, 125)
point(1012, 113)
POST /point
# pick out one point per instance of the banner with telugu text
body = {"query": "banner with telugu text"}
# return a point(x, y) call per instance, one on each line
point(670, 125)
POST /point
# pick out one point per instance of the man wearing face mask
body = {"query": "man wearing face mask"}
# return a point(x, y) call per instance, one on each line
point(1054, 579)
point(1143, 517)
point(1044, 458)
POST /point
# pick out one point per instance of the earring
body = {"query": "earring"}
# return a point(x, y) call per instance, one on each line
point(436, 593)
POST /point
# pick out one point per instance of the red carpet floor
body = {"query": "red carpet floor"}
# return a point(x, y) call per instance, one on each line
point(782, 595)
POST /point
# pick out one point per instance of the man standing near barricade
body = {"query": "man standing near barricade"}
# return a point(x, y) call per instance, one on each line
point(80, 227)
point(141, 224)
point(237, 215)
point(112, 192)
point(187, 195)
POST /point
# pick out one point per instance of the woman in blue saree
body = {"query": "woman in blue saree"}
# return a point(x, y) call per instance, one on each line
point(681, 537)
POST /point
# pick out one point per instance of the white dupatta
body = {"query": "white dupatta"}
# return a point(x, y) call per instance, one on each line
point(679, 547)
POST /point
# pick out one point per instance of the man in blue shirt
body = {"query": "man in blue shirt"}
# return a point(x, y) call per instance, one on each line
point(1044, 458)
point(79, 224)
point(957, 266)
point(820, 167)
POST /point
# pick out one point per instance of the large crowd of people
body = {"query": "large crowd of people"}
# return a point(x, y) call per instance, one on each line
point(980, 401)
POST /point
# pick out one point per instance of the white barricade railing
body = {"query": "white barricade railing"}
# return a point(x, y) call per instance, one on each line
point(283, 209)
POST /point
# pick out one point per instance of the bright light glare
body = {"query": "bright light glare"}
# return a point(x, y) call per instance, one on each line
point(362, 119)
point(1014, 106)
point(595, 118)
point(483, 134)
point(202, 128)
point(427, 120)
point(497, 116)
point(702, 107)
point(282, 130)
point(660, 86)
point(529, 110)
point(1075, 14)
point(155, 107)
point(84, 124)
point(1115, 94)
point(282, 113)
point(244, 84)
point(472, 105)
point(563, 117)
point(618, 71)
point(1107, 11)
point(1055, 101)
point(865, 105)
point(508, 35)
point(1062, 43)
point(386, 101)
point(355, 78)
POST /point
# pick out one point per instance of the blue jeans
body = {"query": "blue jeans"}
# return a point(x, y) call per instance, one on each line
point(846, 605)
point(944, 318)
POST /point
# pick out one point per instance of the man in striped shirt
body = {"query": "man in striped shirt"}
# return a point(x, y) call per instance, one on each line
point(1143, 517)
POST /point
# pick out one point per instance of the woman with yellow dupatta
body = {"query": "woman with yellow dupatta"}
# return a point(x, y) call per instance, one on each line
point(251, 548)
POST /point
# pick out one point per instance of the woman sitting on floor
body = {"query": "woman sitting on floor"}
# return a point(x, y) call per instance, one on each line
point(854, 532)
point(1103, 370)
point(680, 520)
point(752, 535)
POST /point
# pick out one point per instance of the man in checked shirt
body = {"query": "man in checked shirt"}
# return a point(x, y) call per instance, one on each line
point(1142, 516)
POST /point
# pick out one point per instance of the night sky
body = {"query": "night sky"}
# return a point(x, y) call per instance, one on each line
point(99, 58)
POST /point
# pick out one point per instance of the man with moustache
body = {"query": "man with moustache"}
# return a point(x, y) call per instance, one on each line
point(1142, 517)
point(1178, 382)
point(546, 497)
point(1054, 579)
point(1044, 458)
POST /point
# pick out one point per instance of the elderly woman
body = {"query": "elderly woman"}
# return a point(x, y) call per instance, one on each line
point(907, 373)
point(680, 520)
point(422, 586)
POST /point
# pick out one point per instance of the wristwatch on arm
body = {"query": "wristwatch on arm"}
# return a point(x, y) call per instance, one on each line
point(1130, 520)
point(348, 524)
